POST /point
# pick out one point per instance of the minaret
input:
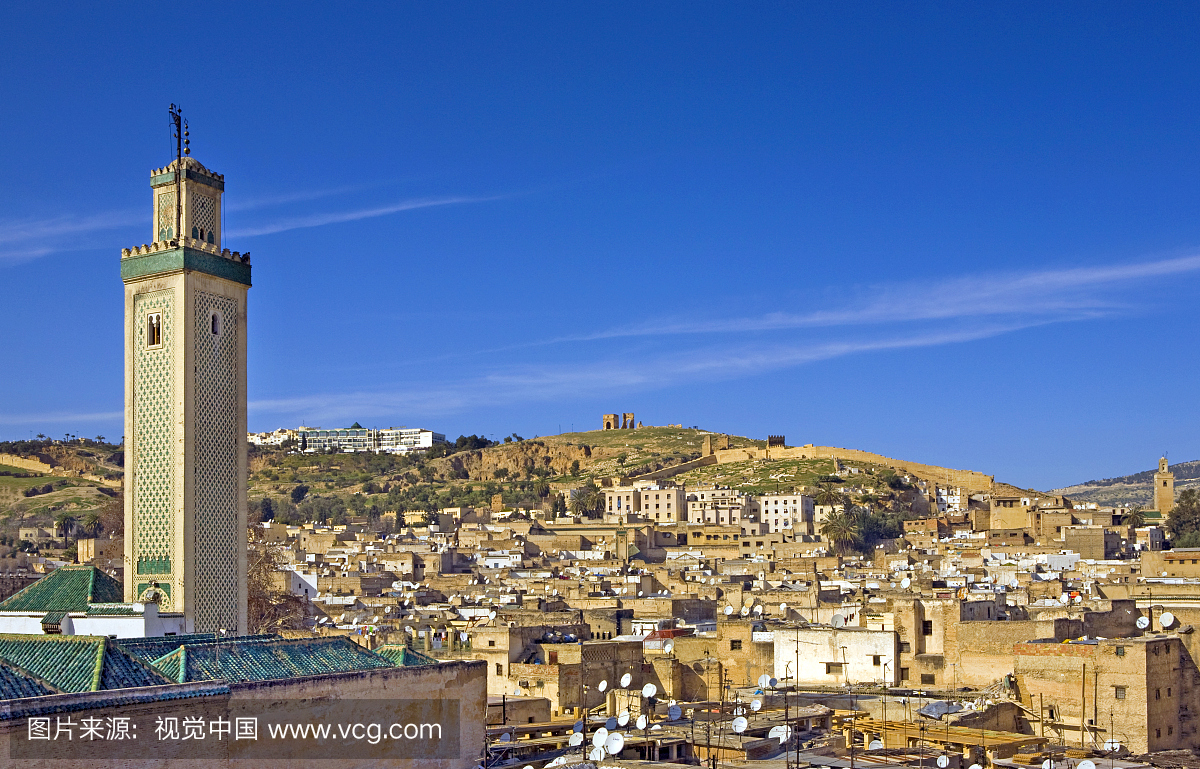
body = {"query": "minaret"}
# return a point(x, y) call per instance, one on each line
point(1164, 488)
point(185, 404)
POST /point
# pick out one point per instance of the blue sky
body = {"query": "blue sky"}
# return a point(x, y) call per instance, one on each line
point(959, 234)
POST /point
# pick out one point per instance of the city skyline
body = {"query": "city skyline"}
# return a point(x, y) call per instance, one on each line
point(961, 238)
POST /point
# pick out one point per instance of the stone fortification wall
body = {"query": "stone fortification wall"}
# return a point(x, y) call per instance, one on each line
point(969, 479)
point(38, 466)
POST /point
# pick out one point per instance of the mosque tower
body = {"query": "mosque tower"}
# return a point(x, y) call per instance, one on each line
point(185, 404)
point(1164, 488)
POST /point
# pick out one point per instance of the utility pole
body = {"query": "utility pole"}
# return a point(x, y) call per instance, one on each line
point(1083, 705)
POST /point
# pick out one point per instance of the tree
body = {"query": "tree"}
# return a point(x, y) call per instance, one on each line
point(841, 529)
point(268, 609)
point(589, 501)
point(500, 472)
point(1136, 517)
point(299, 493)
point(541, 487)
point(828, 495)
point(91, 522)
point(1184, 518)
point(65, 521)
point(575, 468)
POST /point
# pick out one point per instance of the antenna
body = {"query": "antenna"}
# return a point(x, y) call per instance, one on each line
point(179, 132)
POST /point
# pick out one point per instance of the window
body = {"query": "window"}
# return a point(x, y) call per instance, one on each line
point(1158, 694)
point(1120, 651)
point(735, 645)
point(905, 647)
point(927, 627)
point(876, 660)
point(1168, 691)
point(154, 329)
point(491, 642)
point(1119, 692)
point(903, 674)
point(553, 658)
point(499, 669)
point(1170, 730)
point(833, 668)
point(928, 679)
point(215, 322)
point(1158, 732)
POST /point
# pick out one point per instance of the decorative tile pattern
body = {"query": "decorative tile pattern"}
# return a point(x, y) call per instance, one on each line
point(166, 215)
point(154, 493)
point(202, 210)
point(216, 464)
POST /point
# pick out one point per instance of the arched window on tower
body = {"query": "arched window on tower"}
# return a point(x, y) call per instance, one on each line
point(196, 233)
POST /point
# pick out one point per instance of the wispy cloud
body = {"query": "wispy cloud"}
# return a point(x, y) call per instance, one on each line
point(61, 417)
point(1069, 293)
point(319, 219)
point(554, 382)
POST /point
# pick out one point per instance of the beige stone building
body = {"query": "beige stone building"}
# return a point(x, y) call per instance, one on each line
point(1164, 488)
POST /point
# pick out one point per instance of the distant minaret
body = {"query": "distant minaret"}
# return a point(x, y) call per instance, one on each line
point(1164, 488)
point(185, 404)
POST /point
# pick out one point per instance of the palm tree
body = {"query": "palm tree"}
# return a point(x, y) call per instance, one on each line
point(841, 529)
point(828, 495)
point(589, 501)
point(1136, 517)
point(91, 522)
point(66, 522)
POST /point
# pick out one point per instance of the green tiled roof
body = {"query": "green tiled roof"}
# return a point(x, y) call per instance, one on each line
point(243, 659)
point(73, 663)
point(402, 656)
point(16, 683)
point(68, 589)
point(150, 649)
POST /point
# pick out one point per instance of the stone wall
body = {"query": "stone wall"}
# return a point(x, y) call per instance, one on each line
point(38, 466)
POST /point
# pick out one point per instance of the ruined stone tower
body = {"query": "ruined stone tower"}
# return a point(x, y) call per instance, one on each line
point(185, 407)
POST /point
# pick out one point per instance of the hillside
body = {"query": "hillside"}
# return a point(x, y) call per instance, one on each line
point(1136, 489)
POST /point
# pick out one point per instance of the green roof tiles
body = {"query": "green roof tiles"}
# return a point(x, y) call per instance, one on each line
point(266, 659)
point(16, 683)
point(69, 589)
point(402, 656)
point(77, 663)
point(150, 649)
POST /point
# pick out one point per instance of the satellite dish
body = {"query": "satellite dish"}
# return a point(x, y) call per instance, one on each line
point(875, 745)
point(904, 583)
point(597, 754)
point(463, 637)
point(506, 737)
point(492, 614)
point(781, 733)
point(625, 679)
point(976, 766)
point(1167, 619)
point(1085, 764)
point(739, 724)
point(669, 647)
point(838, 621)
point(649, 690)
point(623, 718)
point(772, 682)
point(555, 592)
point(1014, 584)
point(745, 610)
point(610, 723)
point(758, 609)
point(756, 705)
point(1111, 745)
point(783, 607)
point(642, 721)
point(640, 594)
point(599, 737)
point(728, 610)
point(1047, 764)
point(764, 681)
point(387, 609)
point(674, 712)
point(576, 740)
point(1143, 623)
point(656, 727)
point(615, 743)
point(603, 685)
point(943, 761)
